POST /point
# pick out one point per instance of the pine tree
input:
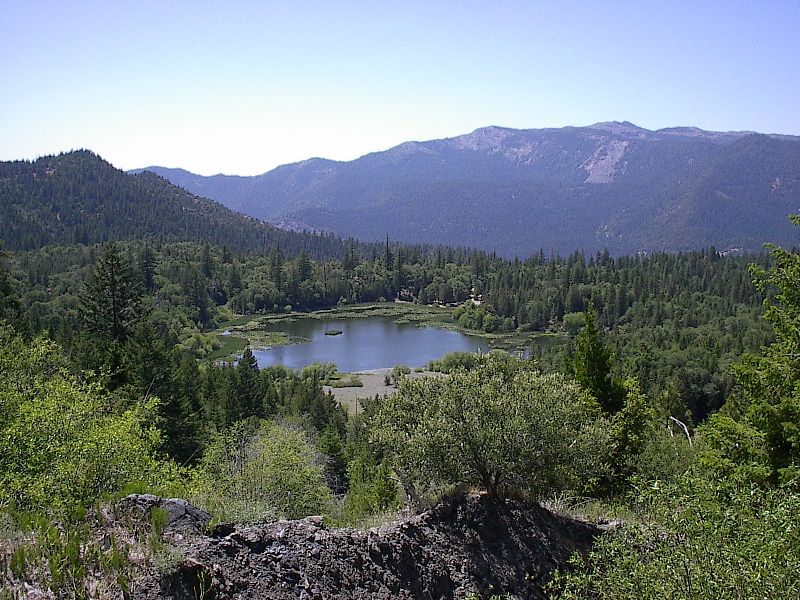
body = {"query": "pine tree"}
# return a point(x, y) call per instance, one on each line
point(111, 300)
point(206, 262)
point(147, 268)
point(276, 267)
point(591, 366)
point(771, 380)
point(9, 301)
point(387, 257)
point(248, 393)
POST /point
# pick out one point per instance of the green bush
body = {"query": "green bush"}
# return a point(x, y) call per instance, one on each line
point(497, 426)
point(260, 471)
point(452, 361)
point(63, 443)
point(372, 489)
point(696, 543)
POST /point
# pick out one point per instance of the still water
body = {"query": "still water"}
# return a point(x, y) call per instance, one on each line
point(364, 344)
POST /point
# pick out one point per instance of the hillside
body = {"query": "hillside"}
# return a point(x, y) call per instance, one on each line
point(77, 197)
point(612, 185)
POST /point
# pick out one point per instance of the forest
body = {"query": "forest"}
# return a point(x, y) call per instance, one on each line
point(673, 405)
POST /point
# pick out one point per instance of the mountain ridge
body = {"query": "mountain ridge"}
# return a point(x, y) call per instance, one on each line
point(78, 197)
point(610, 185)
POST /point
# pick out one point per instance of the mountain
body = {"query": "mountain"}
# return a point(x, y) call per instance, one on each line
point(610, 185)
point(77, 197)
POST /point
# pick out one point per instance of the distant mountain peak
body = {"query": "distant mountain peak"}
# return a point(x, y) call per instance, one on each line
point(621, 128)
point(484, 138)
point(696, 132)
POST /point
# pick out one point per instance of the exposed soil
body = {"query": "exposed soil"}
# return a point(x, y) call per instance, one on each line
point(373, 385)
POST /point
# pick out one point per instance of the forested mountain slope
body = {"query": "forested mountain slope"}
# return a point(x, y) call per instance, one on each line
point(77, 197)
point(612, 185)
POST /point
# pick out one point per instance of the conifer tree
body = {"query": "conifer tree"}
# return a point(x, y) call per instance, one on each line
point(111, 300)
point(147, 268)
point(591, 365)
point(249, 391)
point(9, 302)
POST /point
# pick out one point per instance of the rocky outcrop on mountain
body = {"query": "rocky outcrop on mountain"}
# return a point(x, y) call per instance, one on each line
point(605, 162)
point(467, 544)
point(179, 514)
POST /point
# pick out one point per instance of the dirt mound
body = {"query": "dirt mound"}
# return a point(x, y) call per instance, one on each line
point(468, 544)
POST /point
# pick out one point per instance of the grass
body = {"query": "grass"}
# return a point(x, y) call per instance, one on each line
point(352, 380)
point(590, 510)
point(229, 346)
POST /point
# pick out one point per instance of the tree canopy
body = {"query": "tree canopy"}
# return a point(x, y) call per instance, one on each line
point(499, 426)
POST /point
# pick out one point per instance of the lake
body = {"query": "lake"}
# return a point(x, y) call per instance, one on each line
point(365, 344)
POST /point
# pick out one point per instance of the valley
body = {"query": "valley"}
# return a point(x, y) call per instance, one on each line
point(418, 301)
point(167, 347)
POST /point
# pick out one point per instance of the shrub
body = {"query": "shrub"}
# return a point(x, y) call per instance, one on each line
point(260, 471)
point(497, 426)
point(63, 443)
point(696, 543)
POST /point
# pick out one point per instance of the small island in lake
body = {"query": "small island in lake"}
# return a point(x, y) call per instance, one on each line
point(333, 332)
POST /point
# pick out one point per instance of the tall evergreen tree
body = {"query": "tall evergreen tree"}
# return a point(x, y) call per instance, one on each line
point(276, 267)
point(147, 268)
point(111, 300)
point(9, 302)
point(387, 257)
point(248, 400)
point(206, 262)
point(591, 365)
point(771, 380)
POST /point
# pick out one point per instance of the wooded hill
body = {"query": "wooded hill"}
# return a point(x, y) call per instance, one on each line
point(77, 197)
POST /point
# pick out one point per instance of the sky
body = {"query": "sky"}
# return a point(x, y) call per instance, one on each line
point(242, 87)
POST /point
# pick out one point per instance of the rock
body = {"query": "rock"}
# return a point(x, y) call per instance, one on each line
point(462, 546)
point(180, 513)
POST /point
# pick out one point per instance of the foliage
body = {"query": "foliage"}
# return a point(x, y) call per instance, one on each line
point(258, 471)
point(69, 562)
point(591, 366)
point(728, 525)
point(111, 301)
point(676, 321)
point(631, 429)
point(452, 361)
point(371, 489)
point(667, 455)
point(62, 443)
point(9, 299)
point(771, 380)
point(498, 426)
point(696, 543)
point(733, 451)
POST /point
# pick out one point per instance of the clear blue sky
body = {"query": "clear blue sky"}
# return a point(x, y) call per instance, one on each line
point(240, 87)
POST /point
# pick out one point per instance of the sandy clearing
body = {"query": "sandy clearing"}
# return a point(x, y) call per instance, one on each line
point(373, 385)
